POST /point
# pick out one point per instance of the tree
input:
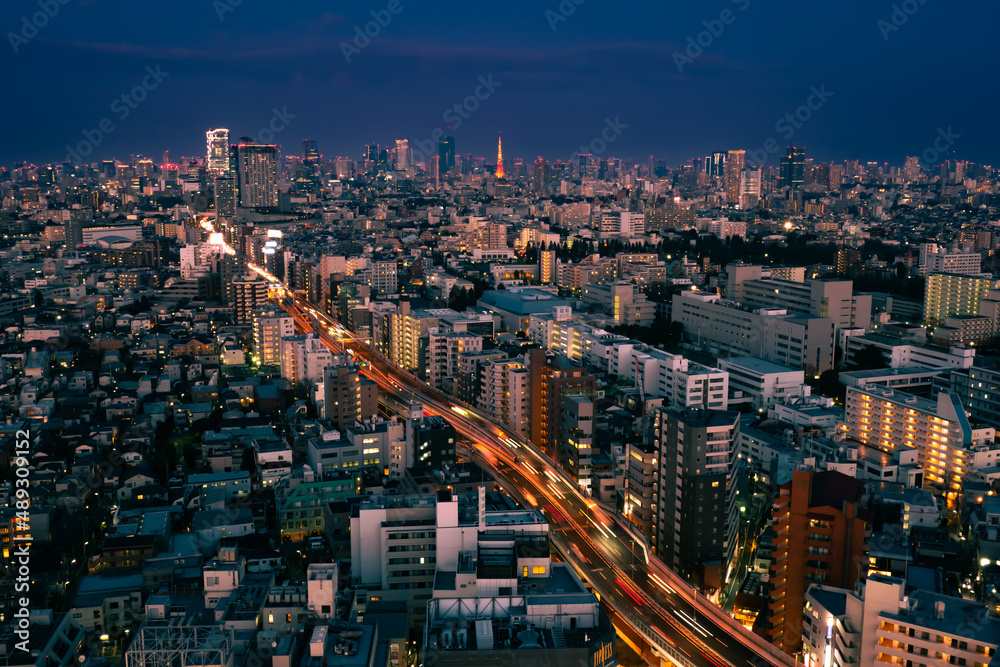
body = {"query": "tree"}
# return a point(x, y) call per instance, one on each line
point(830, 385)
point(38, 300)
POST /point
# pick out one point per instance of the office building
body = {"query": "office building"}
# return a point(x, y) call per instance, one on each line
point(347, 396)
point(766, 383)
point(310, 151)
point(576, 441)
point(823, 298)
point(269, 327)
point(821, 535)
point(792, 168)
point(735, 162)
point(952, 294)
point(382, 277)
point(446, 151)
point(258, 172)
point(750, 189)
point(936, 260)
point(695, 529)
point(939, 429)
point(217, 155)
point(723, 326)
point(715, 165)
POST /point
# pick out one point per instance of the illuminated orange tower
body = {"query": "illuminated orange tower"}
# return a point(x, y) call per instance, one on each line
point(500, 173)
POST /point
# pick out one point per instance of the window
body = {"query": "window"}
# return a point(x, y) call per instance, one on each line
point(538, 569)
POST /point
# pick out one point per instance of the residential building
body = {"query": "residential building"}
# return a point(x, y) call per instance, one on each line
point(697, 516)
point(821, 536)
point(347, 396)
point(505, 393)
point(269, 327)
point(622, 300)
point(552, 379)
point(766, 383)
point(952, 294)
point(303, 359)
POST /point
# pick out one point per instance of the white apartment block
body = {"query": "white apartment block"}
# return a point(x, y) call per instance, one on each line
point(965, 263)
point(303, 359)
point(880, 623)
point(891, 420)
point(441, 356)
point(505, 394)
point(622, 300)
point(269, 328)
point(382, 278)
point(680, 382)
point(765, 382)
point(902, 354)
point(823, 298)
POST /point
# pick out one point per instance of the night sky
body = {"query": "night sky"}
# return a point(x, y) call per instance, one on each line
point(604, 60)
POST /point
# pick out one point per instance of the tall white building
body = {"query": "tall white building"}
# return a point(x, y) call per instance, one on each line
point(270, 326)
point(882, 623)
point(303, 359)
point(504, 394)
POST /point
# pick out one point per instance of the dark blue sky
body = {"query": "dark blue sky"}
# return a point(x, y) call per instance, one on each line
point(557, 87)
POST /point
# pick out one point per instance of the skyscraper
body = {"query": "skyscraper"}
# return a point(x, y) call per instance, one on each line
point(716, 165)
point(310, 152)
point(542, 176)
point(227, 196)
point(749, 188)
point(446, 149)
point(402, 156)
point(217, 158)
point(734, 165)
point(258, 175)
point(500, 173)
point(792, 170)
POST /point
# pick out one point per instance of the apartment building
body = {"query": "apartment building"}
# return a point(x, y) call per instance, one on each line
point(551, 379)
point(347, 396)
point(505, 394)
point(946, 442)
point(440, 352)
point(269, 327)
point(304, 358)
point(697, 517)
point(954, 294)
point(821, 536)
point(886, 621)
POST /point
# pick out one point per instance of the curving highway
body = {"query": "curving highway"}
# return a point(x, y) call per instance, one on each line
point(653, 608)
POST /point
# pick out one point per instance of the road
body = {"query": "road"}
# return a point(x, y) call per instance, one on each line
point(654, 602)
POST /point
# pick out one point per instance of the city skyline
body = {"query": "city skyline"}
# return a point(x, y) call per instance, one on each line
point(681, 89)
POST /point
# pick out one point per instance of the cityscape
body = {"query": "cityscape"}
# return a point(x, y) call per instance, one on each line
point(333, 391)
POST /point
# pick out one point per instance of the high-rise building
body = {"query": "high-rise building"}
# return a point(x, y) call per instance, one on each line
point(269, 327)
point(503, 393)
point(849, 263)
point(347, 396)
point(310, 152)
point(499, 172)
point(402, 156)
point(716, 164)
point(434, 442)
point(792, 169)
point(249, 294)
point(304, 358)
point(542, 176)
point(735, 162)
point(547, 267)
point(227, 196)
point(446, 150)
point(821, 534)
point(258, 166)
point(749, 188)
point(911, 170)
point(217, 157)
point(551, 380)
point(694, 531)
